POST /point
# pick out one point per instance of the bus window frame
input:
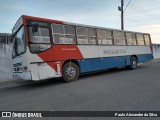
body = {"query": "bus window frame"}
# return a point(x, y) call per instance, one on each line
point(77, 35)
point(87, 36)
point(119, 38)
point(143, 39)
point(41, 26)
point(52, 33)
point(106, 37)
point(127, 39)
point(149, 37)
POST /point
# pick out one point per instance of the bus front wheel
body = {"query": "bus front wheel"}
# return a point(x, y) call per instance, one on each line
point(70, 72)
point(133, 63)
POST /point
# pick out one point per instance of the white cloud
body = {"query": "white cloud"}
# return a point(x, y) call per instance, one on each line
point(155, 27)
point(154, 30)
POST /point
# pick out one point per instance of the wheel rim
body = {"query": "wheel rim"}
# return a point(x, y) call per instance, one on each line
point(70, 72)
point(134, 63)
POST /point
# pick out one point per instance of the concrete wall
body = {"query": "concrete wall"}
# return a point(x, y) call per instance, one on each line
point(156, 51)
point(5, 56)
point(5, 60)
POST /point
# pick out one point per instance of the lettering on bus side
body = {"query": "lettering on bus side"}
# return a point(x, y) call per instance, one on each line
point(114, 51)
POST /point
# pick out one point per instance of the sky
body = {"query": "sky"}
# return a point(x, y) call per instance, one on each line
point(140, 15)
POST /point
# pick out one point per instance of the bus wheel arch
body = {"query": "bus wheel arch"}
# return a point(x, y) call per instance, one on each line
point(135, 57)
point(133, 62)
point(70, 70)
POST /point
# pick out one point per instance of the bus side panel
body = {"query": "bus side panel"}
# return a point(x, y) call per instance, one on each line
point(97, 64)
point(149, 57)
point(144, 58)
point(39, 66)
point(20, 67)
point(102, 57)
point(34, 71)
point(137, 50)
point(111, 56)
point(43, 67)
point(143, 53)
point(89, 65)
point(111, 62)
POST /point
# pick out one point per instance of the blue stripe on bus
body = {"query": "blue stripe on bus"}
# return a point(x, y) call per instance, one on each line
point(94, 64)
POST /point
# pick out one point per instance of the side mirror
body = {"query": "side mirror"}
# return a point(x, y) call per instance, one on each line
point(35, 28)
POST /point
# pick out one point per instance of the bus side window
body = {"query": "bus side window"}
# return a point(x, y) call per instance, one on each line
point(104, 37)
point(131, 39)
point(101, 34)
point(109, 37)
point(39, 40)
point(63, 34)
point(58, 33)
point(91, 36)
point(40, 36)
point(119, 38)
point(69, 35)
point(82, 35)
point(147, 39)
point(140, 39)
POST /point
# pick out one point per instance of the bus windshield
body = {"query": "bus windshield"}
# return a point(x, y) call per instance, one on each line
point(19, 43)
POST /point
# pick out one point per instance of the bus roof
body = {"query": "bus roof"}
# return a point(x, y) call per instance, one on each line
point(74, 24)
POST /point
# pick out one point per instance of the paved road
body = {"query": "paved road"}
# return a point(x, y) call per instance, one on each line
point(113, 90)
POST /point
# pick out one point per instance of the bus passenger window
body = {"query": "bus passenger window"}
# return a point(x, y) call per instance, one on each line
point(147, 39)
point(140, 39)
point(63, 34)
point(109, 37)
point(57, 28)
point(119, 38)
point(104, 37)
point(131, 39)
point(69, 35)
point(91, 36)
point(82, 35)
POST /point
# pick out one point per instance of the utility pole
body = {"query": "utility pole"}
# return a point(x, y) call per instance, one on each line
point(121, 9)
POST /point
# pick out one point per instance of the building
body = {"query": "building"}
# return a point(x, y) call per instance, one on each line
point(5, 38)
point(156, 51)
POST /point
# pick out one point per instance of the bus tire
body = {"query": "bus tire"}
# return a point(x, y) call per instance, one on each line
point(70, 72)
point(133, 63)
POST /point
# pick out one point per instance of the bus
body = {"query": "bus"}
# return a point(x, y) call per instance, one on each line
point(45, 48)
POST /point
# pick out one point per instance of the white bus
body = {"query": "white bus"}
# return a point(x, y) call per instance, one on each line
point(45, 48)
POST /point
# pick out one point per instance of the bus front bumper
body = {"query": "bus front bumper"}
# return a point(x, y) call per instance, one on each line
point(22, 75)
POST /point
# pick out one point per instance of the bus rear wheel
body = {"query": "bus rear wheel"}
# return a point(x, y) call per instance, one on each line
point(70, 72)
point(133, 63)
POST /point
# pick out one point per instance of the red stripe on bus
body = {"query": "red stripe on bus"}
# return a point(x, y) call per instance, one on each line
point(60, 53)
point(42, 19)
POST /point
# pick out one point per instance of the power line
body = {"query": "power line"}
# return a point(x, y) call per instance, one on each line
point(146, 13)
point(127, 6)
